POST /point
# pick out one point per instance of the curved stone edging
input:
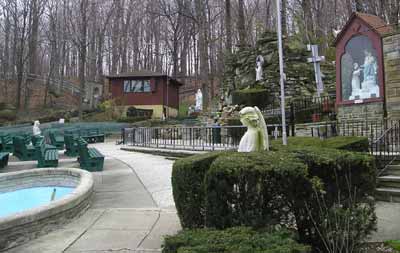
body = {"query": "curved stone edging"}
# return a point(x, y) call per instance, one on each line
point(27, 225)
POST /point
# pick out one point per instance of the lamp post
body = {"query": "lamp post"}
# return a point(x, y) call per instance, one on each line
point(282, 74)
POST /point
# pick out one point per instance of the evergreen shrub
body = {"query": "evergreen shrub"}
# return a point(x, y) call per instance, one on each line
point(339, 168)
point(251, 97)
point(254, 189)
point(351, 143)
point(237, 239)
point(188, 190)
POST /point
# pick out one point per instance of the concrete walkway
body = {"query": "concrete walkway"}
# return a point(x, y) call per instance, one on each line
point(132, 208)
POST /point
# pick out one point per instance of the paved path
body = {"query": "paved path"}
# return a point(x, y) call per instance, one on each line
point(132, 207)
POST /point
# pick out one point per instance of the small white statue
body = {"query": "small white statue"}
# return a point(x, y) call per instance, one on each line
point(256, 136)
point(259, 71)
point(199, 100)
point(61, 121)
point(355, 82)
point(36, 130)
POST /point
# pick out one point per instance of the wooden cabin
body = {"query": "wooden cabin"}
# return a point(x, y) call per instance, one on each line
point(146, 90)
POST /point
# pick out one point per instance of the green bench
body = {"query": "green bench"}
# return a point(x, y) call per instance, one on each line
point(92, 135)
point(90, 159)
point(22, 150)
point(36, 139)
point(71, 145)
point(57, 140)
point(3, 159)
point(7, 143)
point(47, 155)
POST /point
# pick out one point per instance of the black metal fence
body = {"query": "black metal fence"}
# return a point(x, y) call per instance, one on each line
point(384, 137)
point(386, 148)
point(190, 138)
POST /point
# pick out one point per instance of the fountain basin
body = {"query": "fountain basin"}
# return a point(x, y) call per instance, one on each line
point(19, 227)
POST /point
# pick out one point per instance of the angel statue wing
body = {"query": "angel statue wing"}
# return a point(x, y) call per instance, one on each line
point(263, 129)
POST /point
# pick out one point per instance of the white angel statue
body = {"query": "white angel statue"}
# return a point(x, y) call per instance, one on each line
point(256, 136)
point(36, 130)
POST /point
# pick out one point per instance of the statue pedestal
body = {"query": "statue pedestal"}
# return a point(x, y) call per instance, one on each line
point(355, 94)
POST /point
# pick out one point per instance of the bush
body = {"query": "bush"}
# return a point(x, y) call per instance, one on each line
point(188, 189)
point(8, 114)
point(251, 97)
point(261, 189)
point(395, 244)
point(344, 226)
point(254, 189)
point(336, 168)
point(357, 144)
point(238, 240)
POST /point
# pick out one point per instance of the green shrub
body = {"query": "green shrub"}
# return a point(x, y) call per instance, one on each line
point(344, 226)
point(251, 97)
point(188, 189)
point(8, 114)
point(260, 189)
point(183, 109)
point(238, 240)
point(254, 189)
point(358, 144)
point(338, 168)
point(395, 244)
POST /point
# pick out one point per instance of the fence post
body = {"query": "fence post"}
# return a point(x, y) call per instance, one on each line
point(292, 119)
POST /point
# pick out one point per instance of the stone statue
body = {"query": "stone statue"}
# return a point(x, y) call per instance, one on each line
point(199, 100)
point(36, 130)
point(369, 86)
point(256, 136)
point(355, 82)
point(259, 71)
point(370, 67)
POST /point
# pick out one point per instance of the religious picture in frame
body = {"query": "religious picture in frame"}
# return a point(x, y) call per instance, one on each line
point(359, 70)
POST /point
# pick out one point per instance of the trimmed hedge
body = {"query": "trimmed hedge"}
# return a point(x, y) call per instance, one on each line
point(238, 240)
point(187, 180)
point(338, 168)
point(260, 189)
point(356, 144)
point(254, 189)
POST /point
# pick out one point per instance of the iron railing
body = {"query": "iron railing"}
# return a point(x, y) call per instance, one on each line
point(383, 136)
point(190, 138)
point(386, 148)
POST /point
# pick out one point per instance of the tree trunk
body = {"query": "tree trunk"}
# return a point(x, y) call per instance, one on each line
point(241, 24)
point(228, 26)
point(116, 36)
point(202, 49)
point(82, 53)
point(284, 18)
point(6, 54)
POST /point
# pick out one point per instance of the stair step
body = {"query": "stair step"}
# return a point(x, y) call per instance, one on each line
point(394, 167)
point(392, 171)
point(388, 194)
point(389, 178)
point(390, 181)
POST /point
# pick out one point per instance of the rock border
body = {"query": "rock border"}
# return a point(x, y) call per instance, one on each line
point(23, 226)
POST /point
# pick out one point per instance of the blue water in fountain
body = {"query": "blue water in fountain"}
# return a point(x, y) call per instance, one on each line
point(24, 199)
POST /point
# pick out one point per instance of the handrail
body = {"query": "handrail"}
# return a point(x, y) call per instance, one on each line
point(385, 148)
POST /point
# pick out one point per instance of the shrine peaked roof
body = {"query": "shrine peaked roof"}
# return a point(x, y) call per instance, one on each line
point(375, 23)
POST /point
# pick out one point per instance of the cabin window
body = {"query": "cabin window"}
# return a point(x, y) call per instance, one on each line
point(137, 86)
